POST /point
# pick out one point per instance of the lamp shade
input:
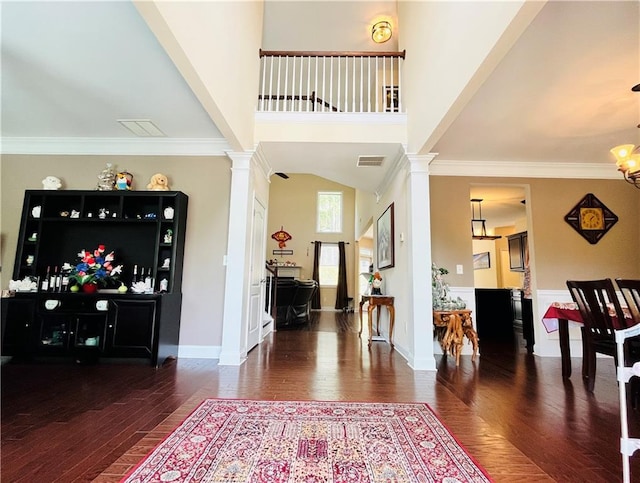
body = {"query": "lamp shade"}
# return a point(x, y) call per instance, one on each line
point(628, 162)
point(622, 152)
point(381, 32)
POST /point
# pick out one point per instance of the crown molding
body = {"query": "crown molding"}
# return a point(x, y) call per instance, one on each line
point(517, 169)
point(397, 164)
point(261, 162)
point(115, 146)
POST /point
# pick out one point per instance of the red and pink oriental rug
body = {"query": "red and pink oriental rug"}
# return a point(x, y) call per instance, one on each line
point(229, 441)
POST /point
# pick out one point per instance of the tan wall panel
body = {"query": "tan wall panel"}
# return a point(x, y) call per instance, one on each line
point(206, 180)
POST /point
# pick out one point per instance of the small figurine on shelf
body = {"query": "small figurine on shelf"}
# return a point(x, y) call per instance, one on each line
point(168, 213)
point(166, 263)
point(158, 182)
point(376, 284)
point(124, 180)
point(35, 211)
point(106, 178)
point(164, 285)
point(51, 183)
point(168, 236)
point(102, 213)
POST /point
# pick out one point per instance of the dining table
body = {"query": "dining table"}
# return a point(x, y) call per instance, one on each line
point(557, 318)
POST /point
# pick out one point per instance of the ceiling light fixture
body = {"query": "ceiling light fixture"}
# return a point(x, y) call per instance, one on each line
point(381, 32)
point(628, 162)
point(478, 227)
point(628, 158)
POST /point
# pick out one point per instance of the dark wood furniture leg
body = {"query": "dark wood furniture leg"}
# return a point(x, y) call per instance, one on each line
point(565, 351)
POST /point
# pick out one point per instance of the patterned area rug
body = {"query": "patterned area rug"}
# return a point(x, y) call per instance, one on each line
point(225, 441)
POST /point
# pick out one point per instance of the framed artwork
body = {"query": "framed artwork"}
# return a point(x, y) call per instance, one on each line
point(391, 99)
point(481, 261)
point(384, 239)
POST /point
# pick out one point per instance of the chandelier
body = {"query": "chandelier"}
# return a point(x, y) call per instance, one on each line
point(628, 158)
point(478, 225)
point(628, 162)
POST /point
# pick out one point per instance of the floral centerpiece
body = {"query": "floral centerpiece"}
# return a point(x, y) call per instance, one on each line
point(95, 268)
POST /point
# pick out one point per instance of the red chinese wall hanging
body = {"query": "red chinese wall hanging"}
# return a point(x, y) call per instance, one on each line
point(281, 237)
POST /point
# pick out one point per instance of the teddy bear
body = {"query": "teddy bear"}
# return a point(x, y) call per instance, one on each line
point(51, 183)
point(158, 182)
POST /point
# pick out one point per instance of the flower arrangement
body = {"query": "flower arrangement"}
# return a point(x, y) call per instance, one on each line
point(94, 268)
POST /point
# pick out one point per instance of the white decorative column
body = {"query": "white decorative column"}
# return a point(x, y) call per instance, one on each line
point(234, 318)
point(419, 251)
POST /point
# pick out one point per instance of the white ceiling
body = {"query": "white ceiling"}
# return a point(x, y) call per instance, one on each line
point(562, 94)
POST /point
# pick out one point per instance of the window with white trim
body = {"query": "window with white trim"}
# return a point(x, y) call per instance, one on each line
point(329, 218)
point(328, 268)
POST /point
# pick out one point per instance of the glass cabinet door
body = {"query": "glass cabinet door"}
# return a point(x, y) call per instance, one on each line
point(90, 330)
point(54, 333)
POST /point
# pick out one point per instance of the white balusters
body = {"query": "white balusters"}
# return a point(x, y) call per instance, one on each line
point(313, 82)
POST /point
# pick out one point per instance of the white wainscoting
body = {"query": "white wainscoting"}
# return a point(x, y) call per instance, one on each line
point(547, 344)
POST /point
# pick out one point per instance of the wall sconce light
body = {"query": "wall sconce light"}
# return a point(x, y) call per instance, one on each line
point(381, 32)
point(628, 161)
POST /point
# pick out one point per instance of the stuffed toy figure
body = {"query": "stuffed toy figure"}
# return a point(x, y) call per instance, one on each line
point(158, 182)
point(122, 183)
point(51, 183)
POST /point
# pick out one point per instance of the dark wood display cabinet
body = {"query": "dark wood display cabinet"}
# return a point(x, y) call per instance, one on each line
point(146, 230)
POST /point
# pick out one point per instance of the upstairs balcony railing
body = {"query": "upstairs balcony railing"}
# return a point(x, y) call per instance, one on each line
point(353, 82)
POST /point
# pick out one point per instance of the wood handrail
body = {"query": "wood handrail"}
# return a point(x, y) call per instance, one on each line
point(314, 53)
point(292, 97)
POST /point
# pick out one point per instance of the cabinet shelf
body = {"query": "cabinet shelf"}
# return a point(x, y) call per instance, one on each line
point(148, 324)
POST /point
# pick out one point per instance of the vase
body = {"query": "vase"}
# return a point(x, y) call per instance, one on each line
point(90, 288)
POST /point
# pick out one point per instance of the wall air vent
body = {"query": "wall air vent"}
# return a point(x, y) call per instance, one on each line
point(370, 161)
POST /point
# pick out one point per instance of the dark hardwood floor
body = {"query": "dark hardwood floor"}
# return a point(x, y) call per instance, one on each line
point(63, 422)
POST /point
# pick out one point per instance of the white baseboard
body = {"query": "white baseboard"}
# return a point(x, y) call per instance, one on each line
point(199, 351)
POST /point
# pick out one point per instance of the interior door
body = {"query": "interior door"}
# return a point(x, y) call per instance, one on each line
point(256, 289)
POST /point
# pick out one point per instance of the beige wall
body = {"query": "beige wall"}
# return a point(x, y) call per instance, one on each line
point(206, 180)
point(558, 252)
point(292, 206)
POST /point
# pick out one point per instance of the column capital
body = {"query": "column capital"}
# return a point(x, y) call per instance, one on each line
point(419, 163)
point(240, 160)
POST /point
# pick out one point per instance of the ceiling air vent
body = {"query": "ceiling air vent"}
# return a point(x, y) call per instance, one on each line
point(143, 128)
point(370, 161)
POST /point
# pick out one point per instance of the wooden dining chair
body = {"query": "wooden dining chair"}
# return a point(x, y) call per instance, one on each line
point(601, 313)
point(630, 290)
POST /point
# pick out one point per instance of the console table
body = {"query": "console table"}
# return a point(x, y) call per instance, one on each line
point(378, 301)
point(451, 326)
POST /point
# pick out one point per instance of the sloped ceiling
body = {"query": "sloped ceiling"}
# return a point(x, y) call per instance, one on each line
point(562, 94)
point(72, 69)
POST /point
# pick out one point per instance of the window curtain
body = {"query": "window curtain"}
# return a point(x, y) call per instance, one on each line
point(315, 301)
point(342, 297)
